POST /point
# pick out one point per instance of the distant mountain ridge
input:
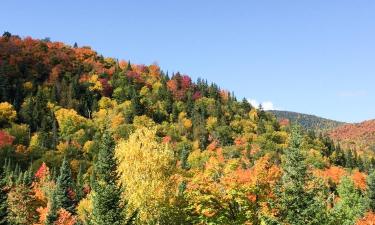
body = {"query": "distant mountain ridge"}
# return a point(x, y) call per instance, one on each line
point(309, 122)
point(359, 136)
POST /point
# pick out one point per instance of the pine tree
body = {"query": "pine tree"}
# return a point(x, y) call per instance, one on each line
point(371, 190)
point(80, 184)
point(3, 198)
point(64, 192)
point(52, 211)
point(296, 203)
point(351, 205)
point(107, 195)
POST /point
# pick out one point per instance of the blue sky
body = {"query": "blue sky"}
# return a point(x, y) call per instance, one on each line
point(315, 57)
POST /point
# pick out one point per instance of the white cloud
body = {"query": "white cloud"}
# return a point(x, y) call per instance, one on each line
point(267, 105)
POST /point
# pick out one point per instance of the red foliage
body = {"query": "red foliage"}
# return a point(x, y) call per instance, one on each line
point(197, 95)
point(42, 172)
point(355, 135)
point(5, 139)
point(107, 88)
point(179, 85)
point(136, 77)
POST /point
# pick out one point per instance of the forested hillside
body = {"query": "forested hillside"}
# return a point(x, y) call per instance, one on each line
point(309, 122)
point(86, 139)
point(359, 136)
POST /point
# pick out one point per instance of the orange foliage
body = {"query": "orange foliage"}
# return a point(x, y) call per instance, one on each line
point(224, 95)
point(154, 70)
point(333, 173)
point(65, 218)
point(43, 212)
point(284, 122)
point(359, 180)
point(368, 219)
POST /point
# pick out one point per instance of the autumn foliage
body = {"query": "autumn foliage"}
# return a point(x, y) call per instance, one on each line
point(176, 151)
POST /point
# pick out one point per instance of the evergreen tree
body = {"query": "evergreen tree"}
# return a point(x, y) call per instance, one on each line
point(351, 205)
point(80, 184)
point(107, 195)
point(64, 192)
point(371, 190)
point(298, 203)
point(52, 210)
point(3, 198)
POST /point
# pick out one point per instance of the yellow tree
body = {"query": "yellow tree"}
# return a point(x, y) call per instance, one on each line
point(70, 122)
point(145, 169)
point(7, 113)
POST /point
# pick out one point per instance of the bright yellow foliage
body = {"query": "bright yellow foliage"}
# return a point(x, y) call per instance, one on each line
point(145, 167)
point(107, 103)
point(7, 113)
point(211, 123)
point(84, 209)
point(96, 85)
point(69, 122)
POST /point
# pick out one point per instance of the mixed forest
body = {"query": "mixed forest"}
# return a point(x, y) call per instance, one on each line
point(308, 122)
point(90, 140)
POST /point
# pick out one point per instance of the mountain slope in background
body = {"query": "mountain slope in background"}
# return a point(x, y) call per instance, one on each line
point(309, 122)
point(360, 136)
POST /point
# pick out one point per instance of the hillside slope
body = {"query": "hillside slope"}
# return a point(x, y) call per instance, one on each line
point(74, 124)
point(360, 136)
point(309, 122)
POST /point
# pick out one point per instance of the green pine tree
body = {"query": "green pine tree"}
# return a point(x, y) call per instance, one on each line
point(3, 198)
point(298, 204)
point(80, 184)
point(371, 190)
point(107, 195)
point(351, 206)
point(64, 191)
point(52, 211)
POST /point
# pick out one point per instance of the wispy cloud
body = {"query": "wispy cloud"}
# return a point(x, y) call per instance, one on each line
point(355, 93)
point(267, 105)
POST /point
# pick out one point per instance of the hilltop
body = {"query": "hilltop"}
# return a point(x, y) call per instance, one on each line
point(309, 122)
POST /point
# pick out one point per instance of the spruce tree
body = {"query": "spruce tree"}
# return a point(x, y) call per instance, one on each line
point(298, 204)
point(352, 204)
point(52, 211)
point(3, 198)
point(65, 188)
point(371, 190)
point(107, 195)
point(80, 184)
